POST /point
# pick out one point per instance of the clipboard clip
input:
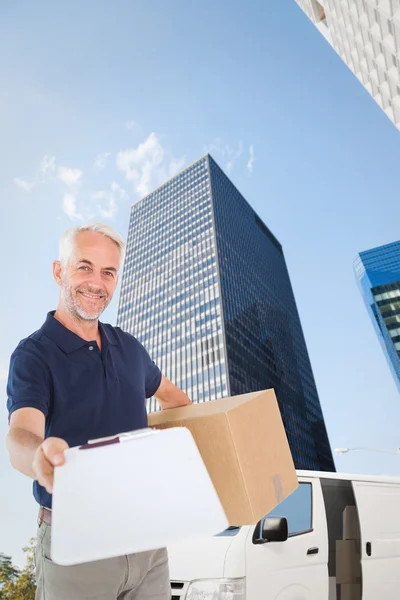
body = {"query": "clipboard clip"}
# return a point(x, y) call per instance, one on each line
point(119, 438)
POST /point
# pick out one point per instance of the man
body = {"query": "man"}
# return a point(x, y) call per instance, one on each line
point(77, 379)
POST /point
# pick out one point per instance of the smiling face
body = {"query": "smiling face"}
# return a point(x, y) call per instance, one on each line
point(89, 278)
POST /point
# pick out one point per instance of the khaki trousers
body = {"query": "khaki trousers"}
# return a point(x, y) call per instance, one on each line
point(135, 577)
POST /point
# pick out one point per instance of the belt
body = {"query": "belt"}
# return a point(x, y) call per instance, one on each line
point(44, 516)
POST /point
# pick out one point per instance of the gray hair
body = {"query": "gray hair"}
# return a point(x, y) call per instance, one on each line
point(68, 238)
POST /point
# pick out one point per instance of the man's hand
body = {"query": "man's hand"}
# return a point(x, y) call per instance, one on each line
point(49, 454)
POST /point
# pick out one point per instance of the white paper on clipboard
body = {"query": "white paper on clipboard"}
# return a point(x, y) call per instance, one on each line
point(148, 491)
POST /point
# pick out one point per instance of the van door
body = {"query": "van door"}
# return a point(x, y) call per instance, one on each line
point(379, 514)
point(298, 568)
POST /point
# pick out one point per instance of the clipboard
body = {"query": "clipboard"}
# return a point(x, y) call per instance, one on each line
point(131, 493)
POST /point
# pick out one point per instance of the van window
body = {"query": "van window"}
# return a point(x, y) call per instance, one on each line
point(297, 509)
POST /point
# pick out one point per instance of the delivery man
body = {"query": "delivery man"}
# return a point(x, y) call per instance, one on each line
point(77, 379)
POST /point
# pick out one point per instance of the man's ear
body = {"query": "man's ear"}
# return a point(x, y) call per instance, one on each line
point(57, 272)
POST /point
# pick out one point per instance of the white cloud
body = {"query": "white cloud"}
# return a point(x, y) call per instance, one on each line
point(71, 177)
point(148, 165)
point(111, 196)
point(27, 186)
point(233, 156)
point(131, 124)
point(70, 208)
point(101, 160)
point(229, 154)
point(250, 162)
point(176, 165)
point(47, 165)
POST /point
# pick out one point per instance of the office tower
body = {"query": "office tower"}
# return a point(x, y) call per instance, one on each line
point(205, 288)
point(366, 35)
point(378, 276)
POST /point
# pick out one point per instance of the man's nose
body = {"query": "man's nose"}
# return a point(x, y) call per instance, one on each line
point(95, 280)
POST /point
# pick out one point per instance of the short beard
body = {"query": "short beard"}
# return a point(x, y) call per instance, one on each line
point(73, 306)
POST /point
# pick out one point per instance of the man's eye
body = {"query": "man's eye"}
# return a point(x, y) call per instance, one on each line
point(109, 273)
point(84, 267)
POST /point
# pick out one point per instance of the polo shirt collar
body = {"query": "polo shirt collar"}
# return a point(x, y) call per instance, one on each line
point(66, 339)
point(108, 334)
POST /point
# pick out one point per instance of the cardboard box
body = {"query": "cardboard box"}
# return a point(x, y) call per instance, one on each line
point(244, 446)
point(351, 525)
point(348, 561)
point(350, 591)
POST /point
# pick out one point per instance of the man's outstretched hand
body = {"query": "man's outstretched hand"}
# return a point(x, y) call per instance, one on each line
point(49, 454)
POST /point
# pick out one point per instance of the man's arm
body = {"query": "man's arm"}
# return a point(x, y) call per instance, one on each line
point(170, 396)
point(24, 437)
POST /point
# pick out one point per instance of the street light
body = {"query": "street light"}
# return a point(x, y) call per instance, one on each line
point(346, 450)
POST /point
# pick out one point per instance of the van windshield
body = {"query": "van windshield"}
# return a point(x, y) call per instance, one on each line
point(229, 532)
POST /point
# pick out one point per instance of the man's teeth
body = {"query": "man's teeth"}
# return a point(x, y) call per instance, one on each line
point(91, 295)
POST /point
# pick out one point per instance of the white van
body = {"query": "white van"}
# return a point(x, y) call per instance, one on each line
point(291, 553)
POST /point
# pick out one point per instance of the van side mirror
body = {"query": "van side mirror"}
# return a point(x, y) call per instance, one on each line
point(271, 529)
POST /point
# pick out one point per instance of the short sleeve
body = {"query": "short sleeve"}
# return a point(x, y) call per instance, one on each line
point(28, 383)
point(152, 374)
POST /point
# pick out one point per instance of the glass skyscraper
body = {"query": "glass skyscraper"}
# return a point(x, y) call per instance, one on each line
point(206, 290)
point(378, 276)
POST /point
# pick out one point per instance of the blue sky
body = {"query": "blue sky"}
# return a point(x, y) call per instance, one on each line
point(100, 102)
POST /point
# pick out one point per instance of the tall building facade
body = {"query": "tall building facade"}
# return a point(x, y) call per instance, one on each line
point(366, 35)
point(205, 288)
point(378, 276)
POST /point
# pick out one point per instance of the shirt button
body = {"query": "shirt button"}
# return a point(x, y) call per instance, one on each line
point(90, 347)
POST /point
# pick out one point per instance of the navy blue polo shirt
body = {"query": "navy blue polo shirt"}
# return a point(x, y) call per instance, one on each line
point(83, 392)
